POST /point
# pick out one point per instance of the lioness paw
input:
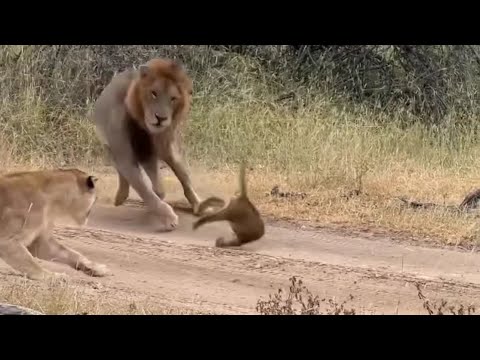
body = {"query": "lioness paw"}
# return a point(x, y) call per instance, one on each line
point(37, 276)
point(46, 275)
point(95, 269)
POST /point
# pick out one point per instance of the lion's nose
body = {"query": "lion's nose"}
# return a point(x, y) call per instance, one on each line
point(160, 119)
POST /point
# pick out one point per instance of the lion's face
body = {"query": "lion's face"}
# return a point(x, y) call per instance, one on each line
point(160, 98)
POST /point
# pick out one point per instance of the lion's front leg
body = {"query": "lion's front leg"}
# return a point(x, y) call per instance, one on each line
point(47, 248)
point(166, 219)
point(176, 163)
point(152, 170)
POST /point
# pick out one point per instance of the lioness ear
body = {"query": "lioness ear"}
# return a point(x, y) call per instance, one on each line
point(91, 180)
point(144, 70)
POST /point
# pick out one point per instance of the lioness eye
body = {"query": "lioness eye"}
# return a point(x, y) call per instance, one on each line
point(173, 98)
point(154, 94)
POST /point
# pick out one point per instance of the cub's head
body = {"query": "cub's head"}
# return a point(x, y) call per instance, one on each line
point(160, 96)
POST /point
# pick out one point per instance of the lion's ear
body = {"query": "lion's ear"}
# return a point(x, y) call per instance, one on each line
point(176, 65)
point(144, 70)
point(180, 73)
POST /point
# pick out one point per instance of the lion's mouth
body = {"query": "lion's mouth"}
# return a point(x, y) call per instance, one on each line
point(160, 121)
point(158, 127)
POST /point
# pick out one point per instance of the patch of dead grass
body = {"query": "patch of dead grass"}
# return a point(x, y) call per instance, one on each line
point(67, 297)
point(376, 208)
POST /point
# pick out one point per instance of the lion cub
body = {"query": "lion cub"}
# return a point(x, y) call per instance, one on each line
point(244, 218)
point(30, 204)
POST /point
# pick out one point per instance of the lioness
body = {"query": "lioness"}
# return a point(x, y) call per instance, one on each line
point(30, 204)
point(137, 117)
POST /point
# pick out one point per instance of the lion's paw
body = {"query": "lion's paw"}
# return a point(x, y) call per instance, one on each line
point(166, 220)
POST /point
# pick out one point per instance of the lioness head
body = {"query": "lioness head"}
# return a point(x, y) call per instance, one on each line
point(83, 198)
point(161, 94)
point(68, 193)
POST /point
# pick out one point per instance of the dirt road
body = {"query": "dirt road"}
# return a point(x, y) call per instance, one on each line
point(183, 269)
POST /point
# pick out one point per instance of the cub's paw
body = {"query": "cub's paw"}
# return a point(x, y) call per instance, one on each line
point(208, 206)
point(197, 209)
point(232, 242)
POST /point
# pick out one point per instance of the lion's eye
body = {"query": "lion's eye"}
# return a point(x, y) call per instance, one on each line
point(154, 94)
point(173, 98)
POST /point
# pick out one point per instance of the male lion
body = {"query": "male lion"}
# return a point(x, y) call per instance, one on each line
point(30, 204)
point(137, 117)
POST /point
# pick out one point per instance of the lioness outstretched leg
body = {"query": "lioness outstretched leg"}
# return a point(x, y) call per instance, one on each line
point(175, 161)
point(17, 256)
point(47, 248)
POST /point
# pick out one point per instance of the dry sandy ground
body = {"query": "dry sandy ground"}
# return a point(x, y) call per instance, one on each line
point(183, 268)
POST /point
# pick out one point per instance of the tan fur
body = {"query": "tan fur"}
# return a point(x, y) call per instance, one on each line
point(30, 204)
point(244, 218)
point(138, 118)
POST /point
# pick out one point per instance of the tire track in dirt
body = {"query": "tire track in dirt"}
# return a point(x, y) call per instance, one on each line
point(183, 269)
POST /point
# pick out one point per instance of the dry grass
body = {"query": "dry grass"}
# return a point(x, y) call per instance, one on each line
point(375, 208)
point(299, 300)
point(71, 298)
point(442, 307)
